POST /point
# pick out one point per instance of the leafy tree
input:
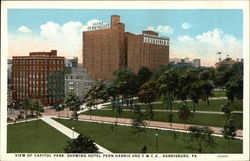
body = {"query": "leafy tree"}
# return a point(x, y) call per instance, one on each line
point(234, 88)
point(168, 84)
point(225, 108)
point(143, 76)
point(125, 80)
point(38, 108)
point(200, 138)
point(82, 144)
point(138, 121)
point(170, 118)
point(118, 111)
point(148, 93)
point(184, 113)
point(26, 105)
point(73, 102)
point(113, 92)
point(229, 130)
point(60, 108)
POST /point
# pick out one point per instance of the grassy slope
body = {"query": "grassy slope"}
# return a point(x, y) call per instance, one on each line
point(123, 140)
point(216, 120)
point(27, 138)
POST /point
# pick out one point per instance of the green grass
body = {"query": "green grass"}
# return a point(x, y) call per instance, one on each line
point(215, 105)
point(123, 140)
point(216, 120)
point(219, 93)
point(27, 138)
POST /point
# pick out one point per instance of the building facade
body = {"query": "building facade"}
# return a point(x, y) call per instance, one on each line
point(9, 82)
point(146, 49)
point(228, 62)
point(38, 76)
point(107, 48)
point(77, 82)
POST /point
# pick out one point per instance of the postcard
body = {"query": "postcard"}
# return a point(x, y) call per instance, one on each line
point(127, 80)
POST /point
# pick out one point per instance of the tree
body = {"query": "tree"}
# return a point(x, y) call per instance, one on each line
point(200, 138)
point(112, 91)
point(225, 108)
point(60, 108)
point(148, 93)
point(26, 105)
point(143, 75)
point(73, 102)
point(138, 120)
point(38, 108)
point(125, 79)
point(118, 111)
point(229, 130)
point(170, 118)
point(208, 84)
point(234, 88)
point(168, 84)
point(184, 113)
point(82, 144)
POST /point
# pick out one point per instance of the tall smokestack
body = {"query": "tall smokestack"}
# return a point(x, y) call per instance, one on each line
point(115, 19)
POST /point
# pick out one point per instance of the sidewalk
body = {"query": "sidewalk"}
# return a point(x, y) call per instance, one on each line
point(158, 110)
point(177, 126)
point(68, 132)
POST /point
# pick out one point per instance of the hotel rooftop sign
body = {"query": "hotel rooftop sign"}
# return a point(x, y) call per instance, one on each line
point(98, 26)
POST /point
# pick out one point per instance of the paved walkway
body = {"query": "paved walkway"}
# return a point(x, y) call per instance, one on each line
point(67, 131)
point(158, 110)
point(158, 124)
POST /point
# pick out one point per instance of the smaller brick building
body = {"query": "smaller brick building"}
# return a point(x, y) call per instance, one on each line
point(38, 76)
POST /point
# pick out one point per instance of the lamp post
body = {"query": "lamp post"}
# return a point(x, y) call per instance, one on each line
point(73, 131)
point(156, 141)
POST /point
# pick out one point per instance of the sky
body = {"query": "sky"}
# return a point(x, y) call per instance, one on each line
point(193, 33)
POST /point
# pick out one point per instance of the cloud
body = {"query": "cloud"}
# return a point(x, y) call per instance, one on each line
point(186, 26)
point(205, 46)
point(164, 30)
point(66, 38)
point(24, 29)
point(184, 38)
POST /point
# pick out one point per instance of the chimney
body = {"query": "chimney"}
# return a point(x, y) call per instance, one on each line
point(115, 19)
point(53, 52)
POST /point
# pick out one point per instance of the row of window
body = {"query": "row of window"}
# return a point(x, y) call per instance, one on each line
point(37, 67)
point(156, 41)
point(47, 61)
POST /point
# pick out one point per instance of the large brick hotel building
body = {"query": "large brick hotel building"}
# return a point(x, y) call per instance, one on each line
point(107, 48)
point(38, 76)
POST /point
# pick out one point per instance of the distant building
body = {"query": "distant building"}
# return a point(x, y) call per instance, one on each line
point(71, 62)
point(38, 76)
point(77, 82)
point(196, 63)
point(228, 62)
point(175, 60)
point(185, 62)
point(9, 86)
point(107, 48)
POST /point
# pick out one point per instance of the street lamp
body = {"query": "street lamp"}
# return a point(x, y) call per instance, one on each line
point(156, 141)
point(73, 131)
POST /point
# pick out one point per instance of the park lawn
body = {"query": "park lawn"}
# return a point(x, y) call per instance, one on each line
point(215, 105)
point(27, 138)
point(219, 94)
point(123, 139)
point(216, 120)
